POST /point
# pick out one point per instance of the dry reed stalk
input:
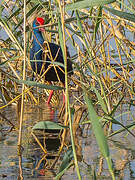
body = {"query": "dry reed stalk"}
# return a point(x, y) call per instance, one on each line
point(23, 86)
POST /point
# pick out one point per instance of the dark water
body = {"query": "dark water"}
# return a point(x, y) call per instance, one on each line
point(122, 148)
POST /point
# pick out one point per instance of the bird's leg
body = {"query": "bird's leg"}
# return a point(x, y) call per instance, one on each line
point(50, 97)
point(51, 94)
point(52, 112)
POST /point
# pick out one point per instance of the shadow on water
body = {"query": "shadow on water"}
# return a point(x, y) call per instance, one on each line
point(38, 165)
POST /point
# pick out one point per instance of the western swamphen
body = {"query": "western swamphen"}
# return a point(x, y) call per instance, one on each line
point(43, 56)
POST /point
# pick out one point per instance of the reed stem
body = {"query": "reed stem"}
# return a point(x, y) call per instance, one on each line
point(62, 10)
point(23, 86)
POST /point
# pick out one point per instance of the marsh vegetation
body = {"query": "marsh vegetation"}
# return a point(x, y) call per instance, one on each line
point(98, 114)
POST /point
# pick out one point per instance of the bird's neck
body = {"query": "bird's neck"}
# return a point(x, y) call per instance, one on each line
point(38, 39)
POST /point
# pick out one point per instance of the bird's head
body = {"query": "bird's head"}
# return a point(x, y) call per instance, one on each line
point(38, 22)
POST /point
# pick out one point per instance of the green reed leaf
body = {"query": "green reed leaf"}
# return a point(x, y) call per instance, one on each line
point(17, 11)
point(27, 15)
point(132, 125)
point(48, 125)
point(98, 21)
point(114, 121)
point(66, 160)
point(60, 174)
point(86, 4)
point(99, 134)
point(36, 84)
point(121, 14)
point(100, 100)
point(97, 129)
point(60, 33)
point(3, 63)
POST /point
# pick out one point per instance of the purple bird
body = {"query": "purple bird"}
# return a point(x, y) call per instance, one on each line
point(45, 55)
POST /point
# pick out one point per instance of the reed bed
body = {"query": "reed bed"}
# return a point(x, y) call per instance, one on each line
point(100, 38)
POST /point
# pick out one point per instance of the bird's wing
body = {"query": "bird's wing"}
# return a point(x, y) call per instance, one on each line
point(31, 54)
